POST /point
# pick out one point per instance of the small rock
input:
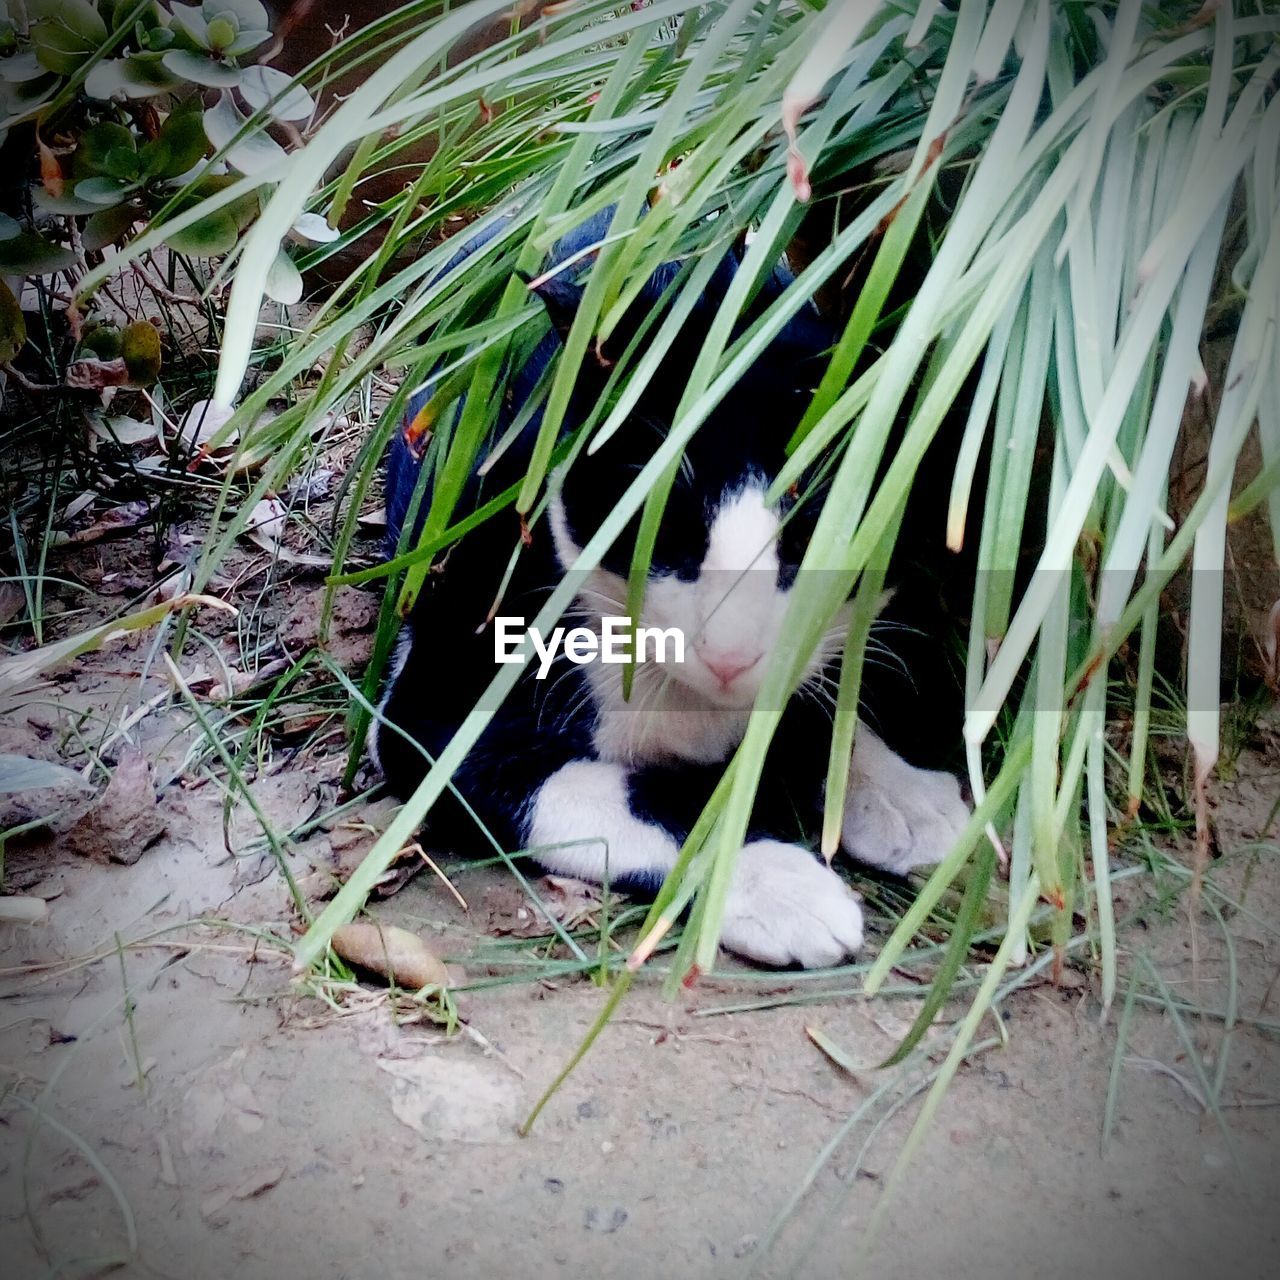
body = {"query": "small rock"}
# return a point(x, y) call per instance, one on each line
point(125, 820)
point(23, 909)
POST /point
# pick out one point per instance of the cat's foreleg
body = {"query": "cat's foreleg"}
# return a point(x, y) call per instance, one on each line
point(581, 824)
point(784, 905)
point(897, 816)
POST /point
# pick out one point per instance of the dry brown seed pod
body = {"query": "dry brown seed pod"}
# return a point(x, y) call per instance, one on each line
point(395, 953)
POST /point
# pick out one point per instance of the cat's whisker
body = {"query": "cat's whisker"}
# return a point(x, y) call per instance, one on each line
point(554, 686)
point(824, 704)
point(893, 624)
point(603, 597)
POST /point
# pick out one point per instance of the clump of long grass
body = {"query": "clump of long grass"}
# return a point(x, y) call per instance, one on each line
point(1119, 183)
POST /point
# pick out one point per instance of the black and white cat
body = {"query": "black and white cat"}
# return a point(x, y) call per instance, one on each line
point(605, 788)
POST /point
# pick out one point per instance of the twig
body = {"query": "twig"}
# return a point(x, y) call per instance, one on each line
point(162, 290)
point(40, 388)
point(448, 884)
point(489, 1047)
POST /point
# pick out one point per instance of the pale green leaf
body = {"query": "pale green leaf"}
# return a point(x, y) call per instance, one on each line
point(21, 773)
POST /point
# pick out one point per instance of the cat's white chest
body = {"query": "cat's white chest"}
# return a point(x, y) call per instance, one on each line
point(662, 722)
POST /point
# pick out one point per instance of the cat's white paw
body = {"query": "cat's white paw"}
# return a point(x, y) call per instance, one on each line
point(897, 816)
point(787, 907)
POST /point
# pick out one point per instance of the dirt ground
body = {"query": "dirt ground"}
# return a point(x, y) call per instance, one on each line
point(166, 1097)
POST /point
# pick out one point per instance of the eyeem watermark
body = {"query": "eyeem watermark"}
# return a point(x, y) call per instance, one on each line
point(582, 645)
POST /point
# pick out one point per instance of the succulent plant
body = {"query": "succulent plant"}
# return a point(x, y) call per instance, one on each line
point(74, 69)
point(207, 40)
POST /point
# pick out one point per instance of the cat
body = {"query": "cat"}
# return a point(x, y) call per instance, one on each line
point(604, 788)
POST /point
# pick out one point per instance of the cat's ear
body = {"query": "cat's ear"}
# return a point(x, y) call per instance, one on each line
point(561, 298)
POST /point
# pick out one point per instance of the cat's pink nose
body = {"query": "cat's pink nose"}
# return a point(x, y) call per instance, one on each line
point(727, 667)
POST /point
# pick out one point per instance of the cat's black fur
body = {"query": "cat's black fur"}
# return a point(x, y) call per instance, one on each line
point(446, 659)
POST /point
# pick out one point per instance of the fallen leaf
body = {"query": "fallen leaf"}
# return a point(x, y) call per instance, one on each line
point(242, 681)
point(203, 420)
point(124, 430)
point(79, 503)
point(510, 911)
point(570, 900)
point(348, 843)
point(258, 1182)
point(22, 773)
point(393, 952)
point(170, 586)
point(267, 521)
point(112, 523)
point(354, 836)
point(94, 375)
point(266, 527)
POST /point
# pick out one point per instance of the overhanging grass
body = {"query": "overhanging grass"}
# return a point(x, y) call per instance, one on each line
point(1101, 147)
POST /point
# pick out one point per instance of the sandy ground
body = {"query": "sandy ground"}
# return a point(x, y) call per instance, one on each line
point(181, 1097)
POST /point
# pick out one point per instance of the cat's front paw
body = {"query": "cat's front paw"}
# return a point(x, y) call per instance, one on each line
point(897, 816)
point(786, 907)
